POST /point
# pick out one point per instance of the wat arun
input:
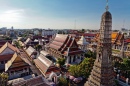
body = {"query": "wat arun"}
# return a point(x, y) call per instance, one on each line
point(102, 72)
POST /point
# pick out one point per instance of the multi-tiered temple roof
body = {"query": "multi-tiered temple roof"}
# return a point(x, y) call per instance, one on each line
point(65, 44)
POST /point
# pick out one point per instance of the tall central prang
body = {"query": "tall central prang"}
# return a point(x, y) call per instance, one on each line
point(102, 72)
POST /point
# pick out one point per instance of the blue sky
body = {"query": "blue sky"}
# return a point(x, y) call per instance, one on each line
point(61, 14)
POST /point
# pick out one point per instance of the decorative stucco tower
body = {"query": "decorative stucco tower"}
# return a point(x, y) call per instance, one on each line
point(82, 43)
point(102, 72)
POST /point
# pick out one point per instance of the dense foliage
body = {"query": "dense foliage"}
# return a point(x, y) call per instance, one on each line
point(8, 38)
point(17, 44)
point(61, 61)
point(124, 66)
point(82, 69)
point(90, 54)
point(62, 82)
point(38, 47)
point(3, 79)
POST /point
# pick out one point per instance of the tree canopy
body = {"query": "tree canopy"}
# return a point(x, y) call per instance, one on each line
point(82, 69)
point(38, 47)
point(3, 79)
point(62, 82)
point(61, 61)
point(124, 66)
point(90, 54)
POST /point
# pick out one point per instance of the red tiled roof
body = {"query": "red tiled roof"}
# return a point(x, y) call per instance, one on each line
point(64, 42)
point(54, 46)
point(7, 44)
point(58, 41)
point(5, 57)
point(75, 52)
point(68, 42)
point(74, 49)
point(127, 40)
point(54, 69)
point(89, 34)
point(40, 65)
point(36, 81)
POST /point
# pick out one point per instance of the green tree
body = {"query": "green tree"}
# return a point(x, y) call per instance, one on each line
point(82, 69)
point(116, 82)
point(124, 66)
point(90, 54)
point(38, 47)
point(17, 44)
point(83, 30)
point(117, 64)
point(61, 62)
point(8, 38)
point(62, 82)
point(3, 79)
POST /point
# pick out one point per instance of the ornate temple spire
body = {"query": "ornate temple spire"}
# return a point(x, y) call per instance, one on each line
point(107, 7)
point(102, 72)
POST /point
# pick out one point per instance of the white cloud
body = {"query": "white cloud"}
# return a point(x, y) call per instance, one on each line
point(12, 16)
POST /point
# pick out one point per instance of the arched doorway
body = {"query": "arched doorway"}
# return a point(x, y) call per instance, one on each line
point(53, 77)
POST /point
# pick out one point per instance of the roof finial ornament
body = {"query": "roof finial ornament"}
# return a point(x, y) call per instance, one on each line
point(107, 7)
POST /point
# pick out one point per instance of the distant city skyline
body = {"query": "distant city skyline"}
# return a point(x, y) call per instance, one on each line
point(62, 14)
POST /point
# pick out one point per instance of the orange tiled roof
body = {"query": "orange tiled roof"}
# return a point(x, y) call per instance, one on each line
point(116, 37)
point(7, 44)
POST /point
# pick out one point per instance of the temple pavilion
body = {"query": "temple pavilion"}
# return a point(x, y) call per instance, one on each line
point(65, 46)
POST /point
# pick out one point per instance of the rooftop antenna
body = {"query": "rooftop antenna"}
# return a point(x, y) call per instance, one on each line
point(107, 7)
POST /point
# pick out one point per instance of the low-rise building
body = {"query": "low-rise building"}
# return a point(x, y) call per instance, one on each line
point(16, 67)
point(31, 52)
point(48, 32)
point(47, 67)
point(6, 53)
